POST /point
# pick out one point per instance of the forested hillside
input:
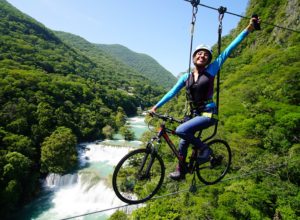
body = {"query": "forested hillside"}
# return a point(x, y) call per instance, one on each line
point(51, 97)
point(141, 63)
point(260, 119)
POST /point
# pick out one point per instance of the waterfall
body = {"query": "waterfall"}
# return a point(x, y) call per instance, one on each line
point(89, 194)
point(89, 188)
point(56, 180)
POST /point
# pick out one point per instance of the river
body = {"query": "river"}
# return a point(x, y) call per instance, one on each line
point(88, 189)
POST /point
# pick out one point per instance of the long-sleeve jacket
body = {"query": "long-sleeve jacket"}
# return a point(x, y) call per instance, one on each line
point(212, 69)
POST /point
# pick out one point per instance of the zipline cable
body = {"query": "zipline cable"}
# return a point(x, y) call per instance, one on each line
point(241, 16)
point(103, 210)
point(187, 190)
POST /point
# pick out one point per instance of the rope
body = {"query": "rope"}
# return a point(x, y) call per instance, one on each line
point(265, 170)
point(263, 22)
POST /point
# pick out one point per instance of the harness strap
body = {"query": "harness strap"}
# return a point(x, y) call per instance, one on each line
point(197, 105)
point(210, 115)
point(194, 13)
point(221, 11)
point(195, 4)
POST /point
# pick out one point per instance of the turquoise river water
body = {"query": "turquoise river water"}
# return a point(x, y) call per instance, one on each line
point(88, 189)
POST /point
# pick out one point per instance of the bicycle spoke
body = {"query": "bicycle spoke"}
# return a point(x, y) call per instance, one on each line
point(214, 170)
point(138, 176)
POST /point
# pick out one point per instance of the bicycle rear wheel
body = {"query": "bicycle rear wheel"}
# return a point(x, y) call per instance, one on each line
point(220, 160)
point(138, 176)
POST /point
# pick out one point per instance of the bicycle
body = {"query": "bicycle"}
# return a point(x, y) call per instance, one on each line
point(139, 175)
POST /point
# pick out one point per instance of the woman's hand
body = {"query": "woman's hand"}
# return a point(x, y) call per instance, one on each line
point(252, 22)
point(152, 110)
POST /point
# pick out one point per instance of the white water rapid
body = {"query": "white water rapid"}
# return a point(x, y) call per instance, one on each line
point(89, 188)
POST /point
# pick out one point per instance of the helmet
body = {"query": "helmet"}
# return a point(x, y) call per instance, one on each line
point(203, 47)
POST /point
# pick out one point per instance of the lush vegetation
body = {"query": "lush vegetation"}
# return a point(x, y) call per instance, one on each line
point(141, 62)
point(260, 118)
point(60, 144)
point(53, 93)
point(51, 96)
point(104, 54)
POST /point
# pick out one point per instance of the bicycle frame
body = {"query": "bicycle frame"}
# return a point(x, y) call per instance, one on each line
point(163, 132)
point(140, 174)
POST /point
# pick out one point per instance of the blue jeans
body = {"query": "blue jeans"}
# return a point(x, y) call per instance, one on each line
point(187, 130)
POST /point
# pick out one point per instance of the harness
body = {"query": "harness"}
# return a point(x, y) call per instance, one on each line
point(199, 93)
point(190, 101)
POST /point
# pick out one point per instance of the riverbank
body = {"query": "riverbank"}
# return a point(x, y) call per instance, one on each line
point(88, 189)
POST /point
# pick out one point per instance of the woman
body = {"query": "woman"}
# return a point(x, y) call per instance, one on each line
point(199, 88)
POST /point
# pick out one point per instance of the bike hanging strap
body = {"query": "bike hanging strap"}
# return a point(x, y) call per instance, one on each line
point(221, 11)
point(195, 4)
point(194, 13)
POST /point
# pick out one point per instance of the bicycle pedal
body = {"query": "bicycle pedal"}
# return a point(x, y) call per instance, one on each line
point(193, 188)
point(216, 160)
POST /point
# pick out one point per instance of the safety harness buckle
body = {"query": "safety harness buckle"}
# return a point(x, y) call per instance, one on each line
point(210, 115)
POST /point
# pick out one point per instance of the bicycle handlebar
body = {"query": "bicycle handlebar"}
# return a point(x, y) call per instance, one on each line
point(164, 117)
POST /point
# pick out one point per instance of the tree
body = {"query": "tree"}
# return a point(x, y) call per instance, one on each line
point(120, 117)
point(19, 143)
point(58, 152)
point(15, 175)
point(108, 131)
point(17, 166)
point(46, 121)
point(127, 133)
point(118, 215)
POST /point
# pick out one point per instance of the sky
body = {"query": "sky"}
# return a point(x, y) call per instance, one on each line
point(158, 28)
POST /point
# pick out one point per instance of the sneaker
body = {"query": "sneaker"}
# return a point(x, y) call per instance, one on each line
point(177, 175)
point(204, 155)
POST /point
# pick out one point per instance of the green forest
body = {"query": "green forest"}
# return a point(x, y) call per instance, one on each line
point(142, 63)
point(53, 96)
point(56, 90)
point(259, 118)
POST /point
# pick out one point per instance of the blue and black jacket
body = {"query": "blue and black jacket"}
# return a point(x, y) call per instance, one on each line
point(205, 90)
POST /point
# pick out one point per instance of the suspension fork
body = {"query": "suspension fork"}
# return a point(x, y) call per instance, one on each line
point(152, 154)
point(147, 173)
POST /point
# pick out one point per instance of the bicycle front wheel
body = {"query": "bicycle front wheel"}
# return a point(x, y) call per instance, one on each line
point(138, 176)
point(218, 165)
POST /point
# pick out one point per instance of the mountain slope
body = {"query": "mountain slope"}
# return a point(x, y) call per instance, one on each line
point(27, 44)
point(48, 89)
point(141, 62)
point(121, 55)
point(260, 119)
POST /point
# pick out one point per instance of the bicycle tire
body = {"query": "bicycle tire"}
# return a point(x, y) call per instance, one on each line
point(130, 181)
point(213, 171)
